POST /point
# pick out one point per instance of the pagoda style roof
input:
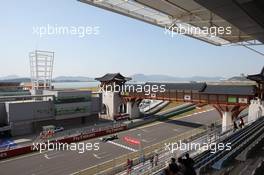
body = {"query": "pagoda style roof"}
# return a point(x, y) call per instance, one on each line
point(181, 86)
point(210, 89)
point(113, 77)
point(230, 89)
point(259, 78)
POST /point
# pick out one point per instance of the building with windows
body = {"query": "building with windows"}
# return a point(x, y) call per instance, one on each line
point(27, 114)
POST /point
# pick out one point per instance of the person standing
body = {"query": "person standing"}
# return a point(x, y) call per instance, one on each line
point(241, 125)
point(189, 163)
point(156, 159)
point(235, 126)
point(129, 166)
point(173, 167)
point(152, 161)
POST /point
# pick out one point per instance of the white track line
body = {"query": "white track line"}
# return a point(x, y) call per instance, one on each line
point(101, 155)
point(123, 146)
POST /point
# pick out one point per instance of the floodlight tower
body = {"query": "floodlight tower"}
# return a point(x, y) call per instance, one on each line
point(41, 68)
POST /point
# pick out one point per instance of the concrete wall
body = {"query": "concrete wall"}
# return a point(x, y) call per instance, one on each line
point(29, 111)
point(112, 101)
point(22, 128)
point(133, 109)
point(96, 102)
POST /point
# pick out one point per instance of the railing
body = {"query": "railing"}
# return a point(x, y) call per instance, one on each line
point(193, 97)
point(204, 161)
point(240, 144)
point(215, 135)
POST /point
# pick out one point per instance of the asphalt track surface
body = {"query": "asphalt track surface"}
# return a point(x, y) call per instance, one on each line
point(68, 162)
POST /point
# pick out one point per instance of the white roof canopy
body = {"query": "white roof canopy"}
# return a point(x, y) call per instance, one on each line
point(174, 13)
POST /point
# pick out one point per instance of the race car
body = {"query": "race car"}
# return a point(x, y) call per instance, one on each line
point(58, 129)
point(109, 138)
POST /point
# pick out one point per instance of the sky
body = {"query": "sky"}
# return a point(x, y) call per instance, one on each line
point(122, 45)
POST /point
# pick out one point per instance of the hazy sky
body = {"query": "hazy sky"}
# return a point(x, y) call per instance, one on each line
point(123, 45)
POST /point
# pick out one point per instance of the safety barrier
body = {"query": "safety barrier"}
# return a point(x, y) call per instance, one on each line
point(15, 152)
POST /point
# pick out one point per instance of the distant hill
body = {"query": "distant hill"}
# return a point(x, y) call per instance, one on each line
point(135, 77)
point(19, 80)
point(72, 79)
point(242, 77)
point(9, 77)
point(15, 78)
point(238, 79)
point(144, 78)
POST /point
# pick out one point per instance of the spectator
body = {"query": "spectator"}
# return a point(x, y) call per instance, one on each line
point(129, 166)
point(166, 171)
point(241, 124)
point(181, 165)
point(212, 126)
point(131, 163)
point(235, 126)
point(156, 159)
point(152, 161)
point(189, 163)
point(173, 167)
point(142, 159)
point(189, 160)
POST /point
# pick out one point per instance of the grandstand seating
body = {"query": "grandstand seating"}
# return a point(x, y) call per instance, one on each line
point(239, 140)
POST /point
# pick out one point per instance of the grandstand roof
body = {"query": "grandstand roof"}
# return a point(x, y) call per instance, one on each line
point(244, 17)
point(230, 89)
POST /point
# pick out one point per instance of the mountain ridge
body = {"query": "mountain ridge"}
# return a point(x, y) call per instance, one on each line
point(135, 77)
